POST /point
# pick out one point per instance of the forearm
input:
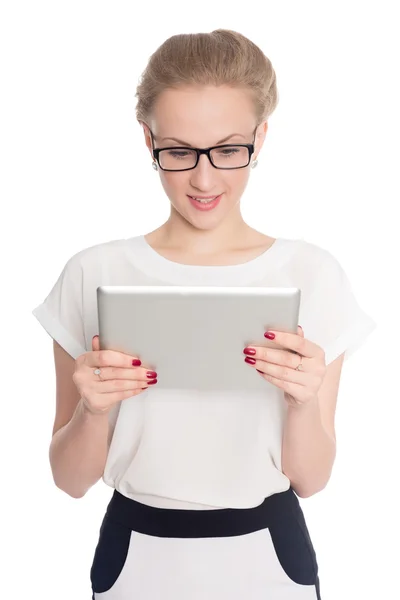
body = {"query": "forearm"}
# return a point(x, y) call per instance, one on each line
point(78, 452)
point(308, 452)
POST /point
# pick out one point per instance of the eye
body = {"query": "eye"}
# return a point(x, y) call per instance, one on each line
point(178, 153)
point(228, 151)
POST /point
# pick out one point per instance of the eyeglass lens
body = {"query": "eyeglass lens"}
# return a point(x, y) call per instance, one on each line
point(230, 157)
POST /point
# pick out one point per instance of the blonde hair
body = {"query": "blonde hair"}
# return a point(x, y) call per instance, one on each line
point(222, 57)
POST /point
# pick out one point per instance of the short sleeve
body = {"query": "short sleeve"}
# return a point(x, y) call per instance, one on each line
point(333, 317)
point(61, 312)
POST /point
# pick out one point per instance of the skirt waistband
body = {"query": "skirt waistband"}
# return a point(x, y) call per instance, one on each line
point(166, 522)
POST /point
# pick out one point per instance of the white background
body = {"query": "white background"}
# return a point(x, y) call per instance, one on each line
point(76, 172)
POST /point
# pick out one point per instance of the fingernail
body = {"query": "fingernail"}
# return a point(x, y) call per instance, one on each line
point(151, 374)
point(251, 361)
point(269, 335)
point(136, 362)
point(249, 351)
point(258, 371)
point(152, 382)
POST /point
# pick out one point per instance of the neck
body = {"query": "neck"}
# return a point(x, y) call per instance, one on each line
point(177, 233)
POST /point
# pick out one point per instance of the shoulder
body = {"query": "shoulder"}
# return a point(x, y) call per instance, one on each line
point(312, 267)
point(91, 256)
point(312, 256)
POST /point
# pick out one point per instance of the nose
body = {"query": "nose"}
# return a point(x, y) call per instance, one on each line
point(204, 175)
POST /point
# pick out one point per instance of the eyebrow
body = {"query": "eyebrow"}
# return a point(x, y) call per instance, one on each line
point(190, 145)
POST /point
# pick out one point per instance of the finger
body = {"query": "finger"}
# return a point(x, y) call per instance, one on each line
point(295, 390)
point(282, 373)
point(277, 357)
point(95, 343)
point(113, 358)
point(300, 330)
point(132, 374)
point(120, 385)
point(294, 342)
point(114, 397)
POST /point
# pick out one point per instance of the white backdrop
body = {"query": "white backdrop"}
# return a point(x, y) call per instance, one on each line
point(76, 172)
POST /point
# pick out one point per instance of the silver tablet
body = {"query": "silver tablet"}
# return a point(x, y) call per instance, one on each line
point(194, 336)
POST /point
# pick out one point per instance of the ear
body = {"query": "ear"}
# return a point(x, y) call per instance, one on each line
point(147, 137)
point(260, 137)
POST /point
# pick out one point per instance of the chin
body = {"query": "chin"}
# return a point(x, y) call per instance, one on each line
point(206, 222)
point(205, 227)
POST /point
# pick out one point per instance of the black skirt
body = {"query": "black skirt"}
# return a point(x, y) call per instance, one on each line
point(261, 553)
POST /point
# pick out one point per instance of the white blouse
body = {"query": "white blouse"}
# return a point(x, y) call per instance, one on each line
point(219, 449)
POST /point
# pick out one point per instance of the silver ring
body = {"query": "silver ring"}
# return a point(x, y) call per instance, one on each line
point(300, 366)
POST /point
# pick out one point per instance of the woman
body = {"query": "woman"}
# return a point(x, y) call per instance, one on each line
point(205, 485)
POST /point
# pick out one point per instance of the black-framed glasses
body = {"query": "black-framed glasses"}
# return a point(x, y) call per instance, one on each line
point(182, 158)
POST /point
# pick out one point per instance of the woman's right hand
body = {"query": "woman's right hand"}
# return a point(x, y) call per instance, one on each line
point(118, 379)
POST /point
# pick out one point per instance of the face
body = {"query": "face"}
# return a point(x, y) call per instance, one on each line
point(202, 117)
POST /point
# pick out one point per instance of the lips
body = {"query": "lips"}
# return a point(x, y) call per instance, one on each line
point(203, 197)
point(208, 205)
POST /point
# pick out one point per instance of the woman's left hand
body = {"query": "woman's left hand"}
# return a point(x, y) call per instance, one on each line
point(279, 366)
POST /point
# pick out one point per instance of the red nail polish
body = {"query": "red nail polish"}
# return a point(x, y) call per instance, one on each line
point(152, 382)
point(269, 335)
point(136, 362)
point(250, 361)
point(151, 374)
point(249, 351)
point(258, 371)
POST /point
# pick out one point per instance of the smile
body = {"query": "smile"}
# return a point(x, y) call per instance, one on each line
point(205, 203)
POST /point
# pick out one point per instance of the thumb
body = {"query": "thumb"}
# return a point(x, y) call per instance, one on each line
point(95, 343)
point(300, 330)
